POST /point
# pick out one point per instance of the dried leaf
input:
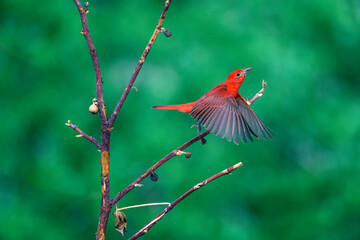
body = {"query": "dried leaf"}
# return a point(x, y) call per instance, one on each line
point(120, 221)
point(153, 176)
point(167, 33)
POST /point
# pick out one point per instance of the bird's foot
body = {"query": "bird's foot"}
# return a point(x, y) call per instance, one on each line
point(198, 126)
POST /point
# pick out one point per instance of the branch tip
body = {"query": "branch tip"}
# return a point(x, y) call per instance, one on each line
point(237, 165)
point(259, 94)
point(264, 83)
point(68, 123)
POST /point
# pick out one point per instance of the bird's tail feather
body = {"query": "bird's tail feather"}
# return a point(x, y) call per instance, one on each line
point(187, 107)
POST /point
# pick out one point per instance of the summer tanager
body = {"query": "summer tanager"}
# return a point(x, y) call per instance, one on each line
point(224, 112)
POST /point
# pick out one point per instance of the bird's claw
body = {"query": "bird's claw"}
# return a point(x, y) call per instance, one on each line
point(198, 126)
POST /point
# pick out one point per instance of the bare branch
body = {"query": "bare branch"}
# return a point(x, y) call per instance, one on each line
point(105, 206)
point(86, 32)
point(147, 227)
point(259, 94)
point(139, 64)
point(82, 134)
point(156, 166)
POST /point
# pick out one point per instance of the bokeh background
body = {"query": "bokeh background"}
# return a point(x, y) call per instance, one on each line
point(304, 184)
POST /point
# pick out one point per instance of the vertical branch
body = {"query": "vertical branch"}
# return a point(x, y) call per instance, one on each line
point(106, 125)
point(105, 196)
point(99, 89)
point(105, 206)
point(139, 64)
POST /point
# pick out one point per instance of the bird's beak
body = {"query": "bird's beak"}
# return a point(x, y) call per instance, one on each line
point(247, 69)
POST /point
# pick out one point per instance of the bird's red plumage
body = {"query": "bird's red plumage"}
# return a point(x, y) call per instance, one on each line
point(225, 112)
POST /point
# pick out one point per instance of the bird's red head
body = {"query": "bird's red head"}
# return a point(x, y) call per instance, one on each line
point(235, 79)
point(238, 76)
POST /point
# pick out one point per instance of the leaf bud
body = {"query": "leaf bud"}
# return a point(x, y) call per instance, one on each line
point(93, 109)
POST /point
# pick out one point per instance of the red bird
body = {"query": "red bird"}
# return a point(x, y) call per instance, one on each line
point(224, 112)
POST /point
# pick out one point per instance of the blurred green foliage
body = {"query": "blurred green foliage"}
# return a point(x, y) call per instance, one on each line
point(302, 185)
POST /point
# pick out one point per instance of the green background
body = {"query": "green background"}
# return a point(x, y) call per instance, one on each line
point(304, 184)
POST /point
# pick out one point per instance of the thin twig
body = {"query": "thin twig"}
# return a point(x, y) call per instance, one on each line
point(147, 227)
point(82, 134)
point(99, 89)
point(257, 95)
point(156, 166)
point(139, 64)
point(143, 205)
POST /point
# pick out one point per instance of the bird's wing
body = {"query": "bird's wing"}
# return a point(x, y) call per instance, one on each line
point(219, 113)
point(254, 122)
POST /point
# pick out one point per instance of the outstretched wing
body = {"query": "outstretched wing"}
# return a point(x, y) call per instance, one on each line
point(254, 122)
point(218, 111)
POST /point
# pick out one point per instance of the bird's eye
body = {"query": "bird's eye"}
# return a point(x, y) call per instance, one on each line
point(238, 74)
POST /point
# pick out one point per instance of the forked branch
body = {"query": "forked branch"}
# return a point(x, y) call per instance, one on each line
point(106, 204)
